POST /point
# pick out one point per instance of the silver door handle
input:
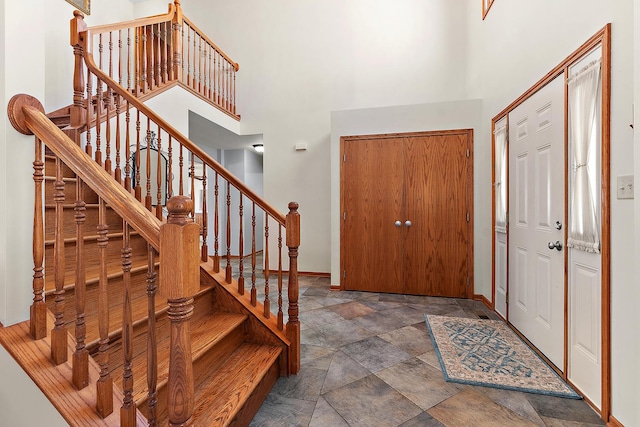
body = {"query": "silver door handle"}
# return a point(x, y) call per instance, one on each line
point(558, 225)
point(557, 245)
point(407, 223)
point(398, 223)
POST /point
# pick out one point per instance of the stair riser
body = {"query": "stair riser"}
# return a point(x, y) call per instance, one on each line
point(91, 257)
point(90, 197)
point(116, 295)
point(113, 221)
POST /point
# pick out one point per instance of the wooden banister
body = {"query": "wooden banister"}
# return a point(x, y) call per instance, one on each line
point(193, 26)
point(176, 135)
point(140, 22)
point(92, 174)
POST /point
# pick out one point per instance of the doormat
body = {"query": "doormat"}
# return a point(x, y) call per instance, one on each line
point(488, 353)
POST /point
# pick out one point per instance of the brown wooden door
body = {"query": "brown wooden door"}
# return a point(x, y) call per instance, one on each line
point(373, 195)
point(423, 178)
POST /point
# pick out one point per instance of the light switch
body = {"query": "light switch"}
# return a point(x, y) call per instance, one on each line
point(625, 186)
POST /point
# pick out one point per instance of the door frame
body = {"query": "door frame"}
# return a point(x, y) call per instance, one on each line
point(470, 202)
point(601, 39)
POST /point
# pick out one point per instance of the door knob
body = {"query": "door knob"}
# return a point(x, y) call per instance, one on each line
point(398, 223)
point(407, 223)
point(558, 225)
point(557, 245)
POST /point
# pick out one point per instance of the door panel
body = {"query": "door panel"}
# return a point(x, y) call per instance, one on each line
point(536, 197)
point(372, 200)
point(437, 194)
point(424, 178)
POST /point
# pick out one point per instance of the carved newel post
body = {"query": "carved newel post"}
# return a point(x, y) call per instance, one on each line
point(179, 281)
point(293, 325)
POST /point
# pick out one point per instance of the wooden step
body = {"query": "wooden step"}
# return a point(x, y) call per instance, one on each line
point(233, 394)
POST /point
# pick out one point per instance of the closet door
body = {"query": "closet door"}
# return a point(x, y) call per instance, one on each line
point(438, 196)
point(406, 204)
point(371, 243)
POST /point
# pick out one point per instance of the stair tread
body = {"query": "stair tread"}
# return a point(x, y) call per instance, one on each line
point(228, 388)
point(204, 335)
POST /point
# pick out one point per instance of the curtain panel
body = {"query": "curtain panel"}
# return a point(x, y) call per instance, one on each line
point(500, 183)
point(583, 227)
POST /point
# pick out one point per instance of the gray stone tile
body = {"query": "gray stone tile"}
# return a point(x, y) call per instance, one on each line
point(410, 339)
point(334, 335)
point(325, 416)
point(431, 358)
point(279, 411)
point(375, 353)
point(319, 317)
point(554, 422)
point(309, 353)
point(382, 305)
point(419, 382)
point(351, 310)
point(343, 370)
point(380, 322)
point(472, 408)
point(406, 314)
point(515, 401)
point(306, 385)
point(563, 409)
point(371, 402)
point(423, 420)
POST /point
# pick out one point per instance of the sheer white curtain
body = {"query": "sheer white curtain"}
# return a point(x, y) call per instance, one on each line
point(583, 227)
point(501, 178)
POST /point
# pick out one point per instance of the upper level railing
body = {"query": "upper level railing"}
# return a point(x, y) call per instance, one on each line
point(152, 54)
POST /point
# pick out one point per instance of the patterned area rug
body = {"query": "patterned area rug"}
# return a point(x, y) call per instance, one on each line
point(488, 353)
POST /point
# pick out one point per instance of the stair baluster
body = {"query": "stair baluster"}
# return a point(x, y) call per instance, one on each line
point(254, 292)
point(216, 225)
point(280, 314)
point(241, 248)
point(267, 301)
point(160, 177)
point(228, 270)
point(38, 319)
point(152, 348)
point(205, 217)
point(104, 386)
point(80, 374)
point(59, 331)
point(128, 409)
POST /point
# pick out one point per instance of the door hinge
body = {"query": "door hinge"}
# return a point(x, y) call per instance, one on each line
point(344, 216)
point(468, 217)
point(344, 158)
point(506, 218)
point(468, 152)
point(468, 281)
point(507, 299)
point(344, 274)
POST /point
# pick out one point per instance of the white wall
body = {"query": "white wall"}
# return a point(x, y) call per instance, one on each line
point(413, 118)
point(513, 48)
point(635, 347)
point(301, 60)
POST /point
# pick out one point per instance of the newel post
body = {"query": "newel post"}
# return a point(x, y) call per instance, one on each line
point(78, 109)
point(179, 281)
point(177, 41)
point(293, 325)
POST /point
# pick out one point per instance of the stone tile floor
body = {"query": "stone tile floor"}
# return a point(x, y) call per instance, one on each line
point(367, 360)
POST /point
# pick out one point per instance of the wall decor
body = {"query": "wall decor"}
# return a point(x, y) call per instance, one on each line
point(85, 5)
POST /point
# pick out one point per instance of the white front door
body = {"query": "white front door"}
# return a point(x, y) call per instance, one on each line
point(536, 215)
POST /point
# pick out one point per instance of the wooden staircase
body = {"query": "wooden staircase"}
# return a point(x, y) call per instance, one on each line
point(139, 317)
point(233, 370)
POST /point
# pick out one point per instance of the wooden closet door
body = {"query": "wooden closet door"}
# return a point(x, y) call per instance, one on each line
point(371, 243)
point(438, 185)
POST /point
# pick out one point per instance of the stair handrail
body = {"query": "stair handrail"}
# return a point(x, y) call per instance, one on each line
point(115, 195)
point(84, 37)
point(205, 37)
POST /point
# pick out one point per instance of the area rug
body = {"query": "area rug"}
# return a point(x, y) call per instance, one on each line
point(488, 353)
